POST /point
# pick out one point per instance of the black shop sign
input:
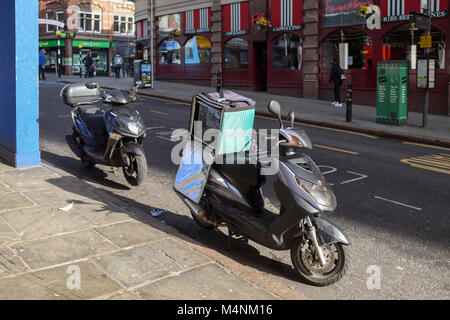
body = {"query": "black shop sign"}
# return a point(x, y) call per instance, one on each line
point(342, 12)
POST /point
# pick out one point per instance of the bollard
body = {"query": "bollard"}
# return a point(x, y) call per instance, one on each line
point(348, 116)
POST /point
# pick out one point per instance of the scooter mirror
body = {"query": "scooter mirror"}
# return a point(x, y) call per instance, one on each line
point(275, 109)
point(291, 117)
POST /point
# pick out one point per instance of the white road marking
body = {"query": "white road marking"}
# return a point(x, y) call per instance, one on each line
point(154, 128)
point(399, 203)
point(332, 169)
point(361, 176)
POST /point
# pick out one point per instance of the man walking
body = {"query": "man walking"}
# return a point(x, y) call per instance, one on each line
point(118, 63)
point(88, 63)
point(337, 78)
point(42, 64)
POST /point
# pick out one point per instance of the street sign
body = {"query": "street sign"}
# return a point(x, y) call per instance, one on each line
point(419, 21)
point(51, 22)
point(425, 42)
point(426, 77)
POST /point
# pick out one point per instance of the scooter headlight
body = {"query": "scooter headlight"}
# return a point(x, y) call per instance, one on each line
point(321, 193)
point(296, 142)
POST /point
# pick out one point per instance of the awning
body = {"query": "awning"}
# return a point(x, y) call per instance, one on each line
point(236, 18)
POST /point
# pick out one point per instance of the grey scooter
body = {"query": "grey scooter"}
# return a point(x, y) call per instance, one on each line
point(233, 197)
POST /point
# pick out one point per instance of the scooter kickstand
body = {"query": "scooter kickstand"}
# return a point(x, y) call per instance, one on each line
point(230, 237)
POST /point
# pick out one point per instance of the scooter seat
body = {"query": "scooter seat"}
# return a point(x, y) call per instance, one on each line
point(241, 173)
point(93, 117)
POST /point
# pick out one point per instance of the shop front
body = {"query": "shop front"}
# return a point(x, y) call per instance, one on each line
point(285, 48)
point(344, 36)
point(184, 46)
point(100, 53)
point(51, 48)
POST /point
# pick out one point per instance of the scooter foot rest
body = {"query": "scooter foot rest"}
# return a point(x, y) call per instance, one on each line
point(94, 153)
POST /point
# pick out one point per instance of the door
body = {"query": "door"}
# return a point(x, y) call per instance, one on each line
point(260, 54)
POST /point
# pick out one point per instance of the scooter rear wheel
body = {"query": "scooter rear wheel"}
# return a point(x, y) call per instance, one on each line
point(308, 266)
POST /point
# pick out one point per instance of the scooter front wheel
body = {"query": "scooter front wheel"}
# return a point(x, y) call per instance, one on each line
point(307, 263)
point(136, 172)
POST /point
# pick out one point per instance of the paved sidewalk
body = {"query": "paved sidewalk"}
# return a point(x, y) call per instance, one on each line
point(118, 252)
point(310, 111)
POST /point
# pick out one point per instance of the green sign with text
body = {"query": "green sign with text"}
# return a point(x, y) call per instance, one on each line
point(51, 43)
point(91, 44)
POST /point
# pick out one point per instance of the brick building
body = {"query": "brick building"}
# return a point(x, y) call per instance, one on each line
point(103, 28)
point(196, 38)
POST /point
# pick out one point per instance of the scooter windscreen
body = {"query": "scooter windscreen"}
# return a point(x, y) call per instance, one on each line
point(125, 121)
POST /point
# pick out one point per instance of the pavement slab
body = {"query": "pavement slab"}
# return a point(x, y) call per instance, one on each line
point(44, 221)
point(206, 282)
point(100, 213)
point(135, 266)
point(130, 233)
point(181, 253)
point(55, 194)
point(14, 200)
point(7, 234)
point(62, 249)
point(57, 284)
point(10, 263)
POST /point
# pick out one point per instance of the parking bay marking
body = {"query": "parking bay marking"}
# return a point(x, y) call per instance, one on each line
point(436, 162)
point(399, 203)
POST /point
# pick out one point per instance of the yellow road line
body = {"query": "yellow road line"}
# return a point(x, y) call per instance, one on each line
point(407, 161)
point(325, 128)
point(336, 149)
point(426, 145)
point(159, 112)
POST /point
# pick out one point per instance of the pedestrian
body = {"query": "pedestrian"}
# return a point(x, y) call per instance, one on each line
point(88, 62)
point(42, 64)
point(337, 76)
point(118, 64)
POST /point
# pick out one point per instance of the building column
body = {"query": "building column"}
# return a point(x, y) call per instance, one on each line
point(69, 54)
point(19, 89)
point(216, 41)
point(311, 49)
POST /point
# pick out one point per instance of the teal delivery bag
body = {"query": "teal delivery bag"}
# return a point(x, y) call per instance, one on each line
point(232, 116)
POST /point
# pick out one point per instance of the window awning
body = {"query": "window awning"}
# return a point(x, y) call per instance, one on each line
point(198, 20)
point(287, 13)
point(236, 18)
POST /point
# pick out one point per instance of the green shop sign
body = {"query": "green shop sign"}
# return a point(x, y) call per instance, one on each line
point(51, 43)
point(91, 44)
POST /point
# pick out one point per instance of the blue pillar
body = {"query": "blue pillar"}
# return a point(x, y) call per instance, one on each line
point(19, 88)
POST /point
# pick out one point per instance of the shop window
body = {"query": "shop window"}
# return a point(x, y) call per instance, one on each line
point(359, 49)
point(169, 52)
point(197, 50)
point(236, 54)
point(287, 52)
point(169, 24)
point(397, 45)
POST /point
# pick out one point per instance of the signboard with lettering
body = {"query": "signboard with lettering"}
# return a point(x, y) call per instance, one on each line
point(403, 10)
point(342, 12)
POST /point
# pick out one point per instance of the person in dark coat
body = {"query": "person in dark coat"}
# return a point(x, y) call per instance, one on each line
point(88, 62)
point(336, 78)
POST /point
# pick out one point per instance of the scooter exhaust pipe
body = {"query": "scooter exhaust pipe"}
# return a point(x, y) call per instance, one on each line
point(198, 211)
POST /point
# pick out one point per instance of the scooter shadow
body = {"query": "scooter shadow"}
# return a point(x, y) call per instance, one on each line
point(179, 226)
point(74, 167)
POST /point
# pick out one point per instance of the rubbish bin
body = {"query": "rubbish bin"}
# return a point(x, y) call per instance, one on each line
point(392, 92)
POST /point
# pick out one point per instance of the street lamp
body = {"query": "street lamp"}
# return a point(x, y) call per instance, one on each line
point(61, 35)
